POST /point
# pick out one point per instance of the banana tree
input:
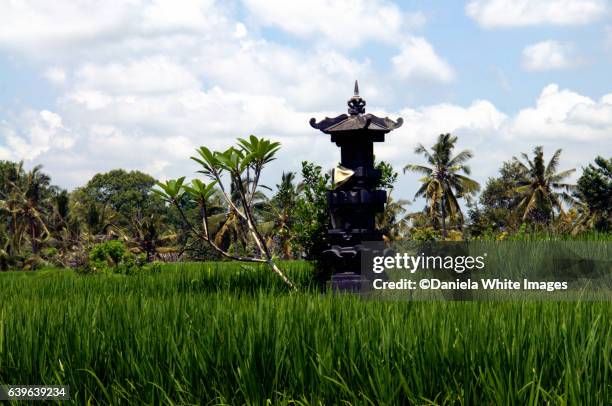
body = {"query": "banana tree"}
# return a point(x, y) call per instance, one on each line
point(246, 160)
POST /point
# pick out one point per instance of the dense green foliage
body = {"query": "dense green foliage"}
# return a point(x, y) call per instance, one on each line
point(312, 217)
point(125, 193)
point(113, 256)
point(235, 217)
point(394, 220)
point(594, 188)
point(228, 333)
point(497, 201)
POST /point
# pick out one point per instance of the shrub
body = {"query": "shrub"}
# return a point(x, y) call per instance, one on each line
point(424, 234)
point(113, 256)
point(34, 262)
point(109, 251)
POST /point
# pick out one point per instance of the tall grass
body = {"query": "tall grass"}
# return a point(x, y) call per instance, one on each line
point(228, 334)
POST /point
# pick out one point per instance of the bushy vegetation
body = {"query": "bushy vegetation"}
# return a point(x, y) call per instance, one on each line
point(230, 333)
point(231, 215)
point(113, 256)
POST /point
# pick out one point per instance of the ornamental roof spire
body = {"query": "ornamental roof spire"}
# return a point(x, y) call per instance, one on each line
point(356, 103)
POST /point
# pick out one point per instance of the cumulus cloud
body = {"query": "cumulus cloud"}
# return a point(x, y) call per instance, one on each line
point(31, 134)
point(73, 30)
point(418, 60)
point(166, 85)
point(342, 22)
point(56, 75)
point(559, 118)
point(141, 91)
point(517, 13)
point(268, 68)
point(563, 114)
point(427, 122)
point(152, 74)
point(549, 55)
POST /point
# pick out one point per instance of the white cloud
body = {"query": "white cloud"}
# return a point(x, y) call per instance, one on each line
point(428, 122)
point(564, 114)
point(345, 23)
point(559, 119)
point(162, 90)
point(549, 55)
point(56, 75)
point(165, 46)
point(78, 29)
point(418, 60)
point(140, 91)
point(32, 134)
point(267, 68)
point(151, 74)
point(156, 133)
point(516, 13)
point(240, 31)
point(177, 15)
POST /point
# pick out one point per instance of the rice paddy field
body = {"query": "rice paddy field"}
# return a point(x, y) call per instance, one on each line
point(224, 333)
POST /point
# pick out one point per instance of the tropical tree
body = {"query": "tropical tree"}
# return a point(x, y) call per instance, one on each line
point(25, 198)
point(125, 193)
point(281, 212)
point(63, 228)
point(394, 219)
point(247, 159)
point(312, 213)
point(148, 236)
point(229, 229)
point(542, 188)
point(594, 192)
point(443, 184)
point(495, 209)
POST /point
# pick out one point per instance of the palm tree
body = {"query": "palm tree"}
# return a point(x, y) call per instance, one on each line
point(35, 193)
point(393, 220)
point(281, 213)
point(443, 184)
point(540, 187)
point(25, 200)
point(146, 235)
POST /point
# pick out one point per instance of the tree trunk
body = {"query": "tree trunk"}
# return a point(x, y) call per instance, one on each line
point(34, 241)
point(443, 212)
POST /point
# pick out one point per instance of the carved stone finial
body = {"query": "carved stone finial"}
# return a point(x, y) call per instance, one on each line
point(356, 104)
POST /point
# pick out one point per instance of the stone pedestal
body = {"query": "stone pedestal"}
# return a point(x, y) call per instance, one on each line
point(347, 282)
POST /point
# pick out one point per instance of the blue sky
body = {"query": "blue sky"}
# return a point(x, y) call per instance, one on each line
point(140, 83)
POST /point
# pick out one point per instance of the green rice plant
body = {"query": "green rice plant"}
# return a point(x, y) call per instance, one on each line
point(223, 333)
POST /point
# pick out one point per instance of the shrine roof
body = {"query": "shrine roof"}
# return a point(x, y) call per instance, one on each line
point(356, 119)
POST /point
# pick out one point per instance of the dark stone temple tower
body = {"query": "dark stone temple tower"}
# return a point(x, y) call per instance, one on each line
point(354, 201)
